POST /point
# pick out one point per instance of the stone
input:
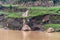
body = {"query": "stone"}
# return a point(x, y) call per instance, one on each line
point(50, 30)
point(26, 27)
point(13, 24)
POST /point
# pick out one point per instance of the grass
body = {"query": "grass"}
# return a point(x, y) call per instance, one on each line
point(34, 11)
point(7, 5)
point(55, 26)
point(12, 14)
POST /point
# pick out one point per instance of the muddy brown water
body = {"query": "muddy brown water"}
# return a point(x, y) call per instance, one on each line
point(28, 35)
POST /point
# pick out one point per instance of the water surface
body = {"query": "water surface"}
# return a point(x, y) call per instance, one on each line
point(31, 35)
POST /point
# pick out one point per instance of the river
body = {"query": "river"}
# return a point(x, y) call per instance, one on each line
point(28, 35)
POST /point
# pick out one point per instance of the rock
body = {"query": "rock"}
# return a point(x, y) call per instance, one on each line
point(1, 7)
point(3, 24)
point(5, 28)
point(2, 17)
point(58, 30)
point(13, 24)
point(26, 27)
point(35, 28)
point(50, 30)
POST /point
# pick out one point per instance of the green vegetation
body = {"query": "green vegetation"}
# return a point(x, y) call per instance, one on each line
point(12, 14)
point(8, 5)
point(55, 26)
point(36, 11)
point(33, 11)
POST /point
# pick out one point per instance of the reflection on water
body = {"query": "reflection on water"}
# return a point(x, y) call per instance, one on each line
point(28, 35)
